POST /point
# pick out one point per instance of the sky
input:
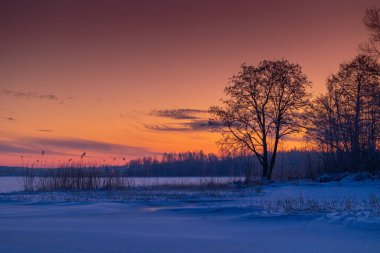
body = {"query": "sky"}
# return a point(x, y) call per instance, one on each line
point(126, 79)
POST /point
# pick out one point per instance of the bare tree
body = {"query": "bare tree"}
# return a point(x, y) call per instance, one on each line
point(263, 106)
point(372, 22)
point(345, 122)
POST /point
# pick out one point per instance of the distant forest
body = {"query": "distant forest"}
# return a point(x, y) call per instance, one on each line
point(291, 164)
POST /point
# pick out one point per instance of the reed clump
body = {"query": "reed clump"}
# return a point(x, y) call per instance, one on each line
point(73, 177)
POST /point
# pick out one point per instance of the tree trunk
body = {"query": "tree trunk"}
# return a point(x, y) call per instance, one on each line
point(265, 168)
point(265, 154)
point(356, 144)
point(273, 158)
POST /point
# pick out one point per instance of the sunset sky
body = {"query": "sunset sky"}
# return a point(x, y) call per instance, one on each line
point(135, 78)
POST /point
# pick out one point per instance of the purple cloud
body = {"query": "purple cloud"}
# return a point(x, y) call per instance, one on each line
point(179, 113)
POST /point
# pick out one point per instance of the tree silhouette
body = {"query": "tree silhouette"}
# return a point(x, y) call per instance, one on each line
point(372, 22)
point(345, 122)
point(263, 105)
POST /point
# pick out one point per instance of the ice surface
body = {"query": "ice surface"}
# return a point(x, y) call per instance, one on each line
point(10, 184)
point(133, 227)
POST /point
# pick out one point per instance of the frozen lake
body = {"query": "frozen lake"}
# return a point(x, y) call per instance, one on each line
point(10, 184)
point(174, 226)
point(194, 221)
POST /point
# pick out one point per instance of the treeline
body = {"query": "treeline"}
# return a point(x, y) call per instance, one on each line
point(291, 164)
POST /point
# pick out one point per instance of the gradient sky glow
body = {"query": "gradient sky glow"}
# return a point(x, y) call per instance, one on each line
point(134, 78)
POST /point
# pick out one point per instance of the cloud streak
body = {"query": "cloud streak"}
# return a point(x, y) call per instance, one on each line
point(12, 148)
point(70, 147)
point(44, 130)
point(31, 95)
point(10, 118)
point(22, 148)
point(190, 114)
point(86, 145)
point(187, 120)
point(195, 125)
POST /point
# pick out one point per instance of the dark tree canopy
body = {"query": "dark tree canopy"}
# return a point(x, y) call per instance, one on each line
point(372, 22)
point(345, 122)
point(263, 105)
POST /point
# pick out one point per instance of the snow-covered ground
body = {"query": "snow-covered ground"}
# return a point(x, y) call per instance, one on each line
point(280, 217)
